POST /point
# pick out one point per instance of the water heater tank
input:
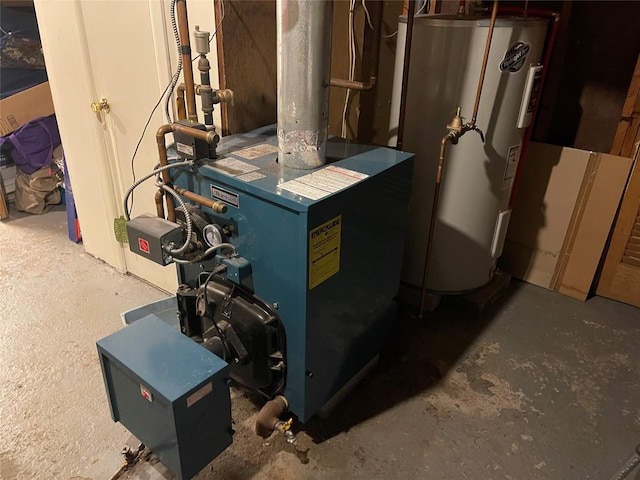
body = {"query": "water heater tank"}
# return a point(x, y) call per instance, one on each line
point(473, 211)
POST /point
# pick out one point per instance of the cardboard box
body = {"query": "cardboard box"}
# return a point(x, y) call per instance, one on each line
point(547, 193)
point(18, 109)
point(562, 215)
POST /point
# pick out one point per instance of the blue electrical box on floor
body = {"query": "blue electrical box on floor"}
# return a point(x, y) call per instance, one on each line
point(170, 392)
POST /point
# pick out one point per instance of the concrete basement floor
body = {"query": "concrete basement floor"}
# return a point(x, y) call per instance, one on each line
point(541, 387)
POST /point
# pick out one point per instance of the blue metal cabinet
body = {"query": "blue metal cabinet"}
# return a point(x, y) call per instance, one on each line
point(338, 313)
point(170, 392)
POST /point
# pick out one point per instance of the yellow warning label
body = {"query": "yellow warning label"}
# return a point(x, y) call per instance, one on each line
point(324, 251)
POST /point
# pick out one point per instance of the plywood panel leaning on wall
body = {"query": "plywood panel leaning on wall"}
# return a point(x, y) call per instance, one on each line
point(593, 219)
point(562, 216)
point(551, 185)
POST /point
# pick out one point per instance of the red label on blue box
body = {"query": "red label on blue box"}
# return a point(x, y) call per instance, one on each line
point(143, 245)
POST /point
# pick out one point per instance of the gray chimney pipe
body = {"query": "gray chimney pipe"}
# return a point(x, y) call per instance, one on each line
point(304, 70)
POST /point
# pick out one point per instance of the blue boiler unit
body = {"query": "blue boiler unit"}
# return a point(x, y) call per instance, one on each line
point(288, 247)
point(323, 249)
point(290, 279)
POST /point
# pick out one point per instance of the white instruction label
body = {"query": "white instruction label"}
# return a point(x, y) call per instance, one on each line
point(511, 167)
point(199, 394)
point(256, 151)
point(250, 177)
point(233, 167)
point(184, 148)
point(324, 182)
point(303, 190)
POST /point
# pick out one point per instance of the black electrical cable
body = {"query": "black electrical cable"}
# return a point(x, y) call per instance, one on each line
point(221, 19)
point(144, 130)
point(170, 86)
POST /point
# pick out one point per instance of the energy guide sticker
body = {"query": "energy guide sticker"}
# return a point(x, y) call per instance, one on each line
point(324, 251)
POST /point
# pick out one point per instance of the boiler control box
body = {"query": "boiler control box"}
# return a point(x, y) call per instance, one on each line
point(187, 147)
point(185, 419)
point(148, 236)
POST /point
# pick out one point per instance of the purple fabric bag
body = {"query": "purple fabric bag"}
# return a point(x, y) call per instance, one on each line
point(32, 145)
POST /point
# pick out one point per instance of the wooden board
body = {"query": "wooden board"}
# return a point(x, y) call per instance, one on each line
point(562, 217)
point(628, 131)
point(340, 68)
point(247, 63)
point(376, 105)
point(620, 279)
point(594, 219)
point(632, 102)
point(480, 301)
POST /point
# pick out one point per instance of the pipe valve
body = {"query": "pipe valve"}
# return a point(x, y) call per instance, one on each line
point(223, 96)
point(285, 428)
point(456, 123)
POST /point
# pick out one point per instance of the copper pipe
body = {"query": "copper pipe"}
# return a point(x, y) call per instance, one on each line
point(353, 85)
point(217, 207)
point(209, 137)
point(182, 114)
point(187, 68)
point(374, 44)
point(405, 73)
point(159, 197)
point(450, 137)
point(166, 177)
point(485, 59)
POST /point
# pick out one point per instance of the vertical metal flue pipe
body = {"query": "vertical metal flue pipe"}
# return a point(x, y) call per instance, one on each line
point(304, 70)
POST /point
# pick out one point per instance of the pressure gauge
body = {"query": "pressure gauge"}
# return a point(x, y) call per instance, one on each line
point(212, 235)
